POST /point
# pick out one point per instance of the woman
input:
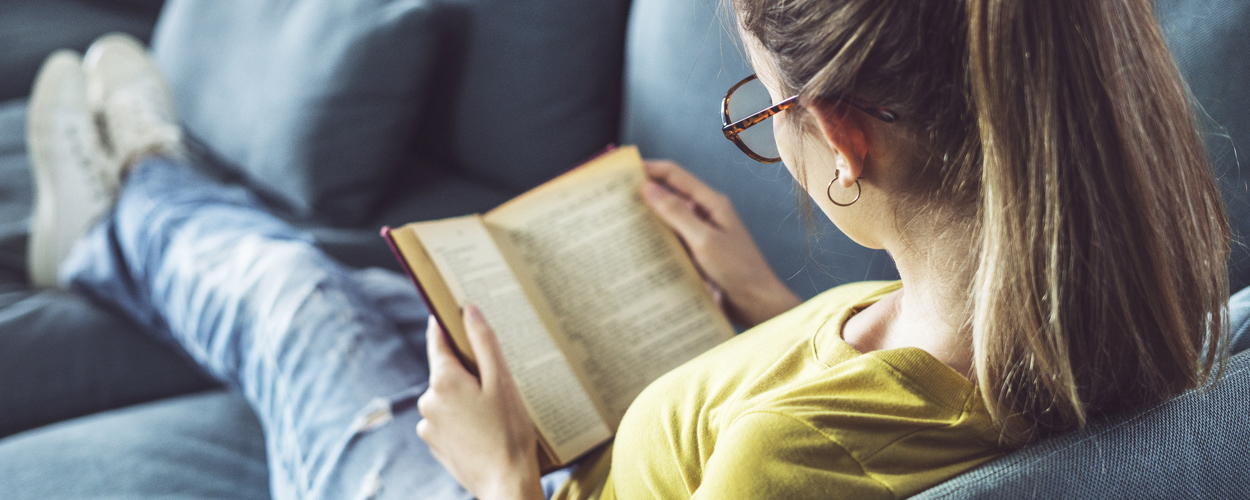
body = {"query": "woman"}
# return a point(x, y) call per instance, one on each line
point(1032, 167)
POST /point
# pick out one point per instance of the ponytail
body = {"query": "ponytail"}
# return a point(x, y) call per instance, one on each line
point(1065, 128)
point(1103, 239)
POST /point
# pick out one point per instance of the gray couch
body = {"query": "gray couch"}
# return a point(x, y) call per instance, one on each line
point(91, 407)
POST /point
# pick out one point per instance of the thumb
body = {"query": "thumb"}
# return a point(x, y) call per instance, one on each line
point(677, 212)
point(491, 364)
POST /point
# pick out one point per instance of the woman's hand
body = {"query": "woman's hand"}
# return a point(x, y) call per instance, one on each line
point(478, 429)
point(719, 242)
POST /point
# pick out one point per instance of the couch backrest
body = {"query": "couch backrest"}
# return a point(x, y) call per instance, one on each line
point(30, 30)
point(504, 94)
point(526, 88)
point(682, 56)
point(1193, 446)
point(1212, 47)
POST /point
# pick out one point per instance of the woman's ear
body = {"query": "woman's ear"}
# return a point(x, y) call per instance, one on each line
point(847, 135)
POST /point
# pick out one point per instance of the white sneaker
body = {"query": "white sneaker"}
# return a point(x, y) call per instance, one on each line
point(68, 162)
point(129, 93)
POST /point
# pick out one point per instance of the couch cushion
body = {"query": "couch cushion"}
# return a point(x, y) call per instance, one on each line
point(682, 55)
point(15, 192)
point(314, 100)
point(206, 446)
point(32, 29)
point(63, 357)
point(526, 88)
point(1239, 322)
point(438, 194)
point(1191, 447)
point(1209, 40)
point(146, 5)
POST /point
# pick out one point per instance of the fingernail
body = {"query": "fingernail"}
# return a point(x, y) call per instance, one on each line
point(473, 313)
point(652, 190)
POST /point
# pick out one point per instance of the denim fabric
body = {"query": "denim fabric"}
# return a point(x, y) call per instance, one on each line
point(331, 361)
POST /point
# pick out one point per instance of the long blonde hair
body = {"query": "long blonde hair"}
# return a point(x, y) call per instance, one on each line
point(1064, 125)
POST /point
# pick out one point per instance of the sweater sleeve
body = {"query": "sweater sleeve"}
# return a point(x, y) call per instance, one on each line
point(772, 455)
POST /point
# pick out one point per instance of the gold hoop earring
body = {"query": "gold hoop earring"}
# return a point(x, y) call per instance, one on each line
point(829, 191)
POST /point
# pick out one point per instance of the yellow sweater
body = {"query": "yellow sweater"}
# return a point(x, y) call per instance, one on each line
point(789, 410)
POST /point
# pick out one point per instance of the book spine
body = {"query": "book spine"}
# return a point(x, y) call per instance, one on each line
point(429, 306)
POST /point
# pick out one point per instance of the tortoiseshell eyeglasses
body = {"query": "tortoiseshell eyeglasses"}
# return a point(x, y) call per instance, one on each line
point(739, 116)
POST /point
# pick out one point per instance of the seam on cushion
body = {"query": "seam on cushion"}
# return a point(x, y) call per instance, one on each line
point(826, 436)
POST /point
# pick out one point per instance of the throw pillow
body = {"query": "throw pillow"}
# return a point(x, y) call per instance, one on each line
point(314, 100)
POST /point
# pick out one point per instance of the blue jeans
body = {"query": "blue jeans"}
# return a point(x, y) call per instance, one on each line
point(332, 361)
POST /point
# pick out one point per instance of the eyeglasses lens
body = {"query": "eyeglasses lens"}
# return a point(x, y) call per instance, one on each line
point(749, 99)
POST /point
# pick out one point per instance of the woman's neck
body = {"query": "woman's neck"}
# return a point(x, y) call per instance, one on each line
point(932, 311)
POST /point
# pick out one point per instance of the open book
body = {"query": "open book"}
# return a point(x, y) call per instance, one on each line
point(591, 295)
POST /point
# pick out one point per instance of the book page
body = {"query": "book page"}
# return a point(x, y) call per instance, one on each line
point(631, 305)
point(476, 273)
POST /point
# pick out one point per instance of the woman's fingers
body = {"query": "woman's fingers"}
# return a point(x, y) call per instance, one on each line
point(687, 185)
point(442, 358)
point(677, 178)
point(446, 371)
point(679, 214)
point(486, 347)
point(480, 432)
point(719, 242)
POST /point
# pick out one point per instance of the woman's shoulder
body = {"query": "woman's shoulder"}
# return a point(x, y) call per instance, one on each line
point(875, 429)
point(873, 400)
point(872, 457)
